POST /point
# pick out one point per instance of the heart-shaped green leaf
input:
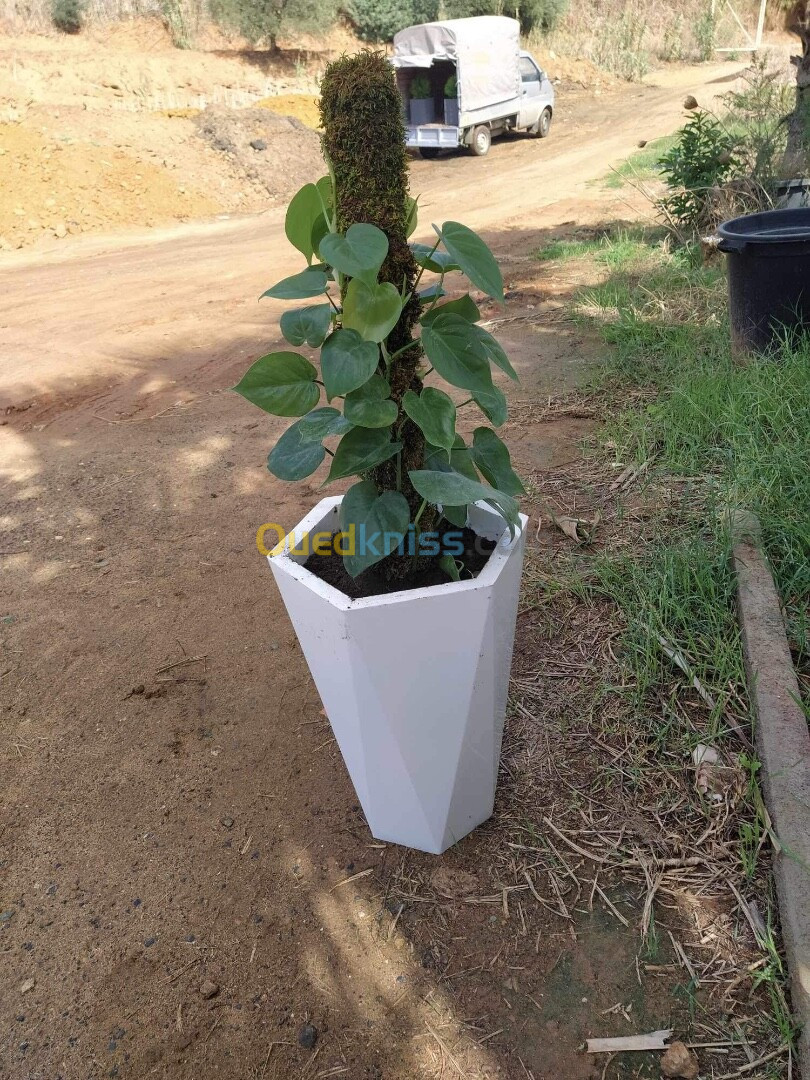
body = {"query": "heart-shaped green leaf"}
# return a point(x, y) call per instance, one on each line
point(303, 211)
point(437, 262)
point(371, 310)
point(321, 423)
point(299, 451)
point(299, 286)
point(492, 404)
point(453, 489)
point(359, 253)
point(281, 383)
point(493, 350)
point(370, 405)
point(470, 252)
point(376, 525)
point(491, 456)
point(347, 361)
point(455, 352)
point(464, 306)
point(308, 325)
point(360, 450)
point(434, 414)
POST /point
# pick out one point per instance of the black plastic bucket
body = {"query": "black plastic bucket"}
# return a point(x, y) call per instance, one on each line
point(768, 276)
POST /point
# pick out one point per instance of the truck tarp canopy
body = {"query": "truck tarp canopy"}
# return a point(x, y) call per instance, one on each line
point(486, 50)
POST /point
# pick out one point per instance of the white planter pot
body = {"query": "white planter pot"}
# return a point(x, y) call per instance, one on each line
point(414, 683)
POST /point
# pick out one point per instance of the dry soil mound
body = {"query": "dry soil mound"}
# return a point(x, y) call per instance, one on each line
point(276, 153)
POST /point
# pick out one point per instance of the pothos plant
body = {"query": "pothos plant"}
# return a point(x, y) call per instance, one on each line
point(366, 292)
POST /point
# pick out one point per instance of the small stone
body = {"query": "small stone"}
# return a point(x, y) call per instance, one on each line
point(258, 144)
point(60, 229)
point(308, 1036)
point(150, 941)
point(27, 985)
point(209, 990)
point(679, 1061)
point(227, 822)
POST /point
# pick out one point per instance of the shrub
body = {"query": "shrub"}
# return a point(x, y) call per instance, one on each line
point(696, 167)
point(539, 15)
point(262, 21)
point(705, 29)
point(67, 15)
point(379, 20)
point(420, 87)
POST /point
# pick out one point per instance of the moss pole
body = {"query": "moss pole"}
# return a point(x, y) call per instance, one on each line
point(364, 145)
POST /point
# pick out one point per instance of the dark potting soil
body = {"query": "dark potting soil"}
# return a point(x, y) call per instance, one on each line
point(372, 582)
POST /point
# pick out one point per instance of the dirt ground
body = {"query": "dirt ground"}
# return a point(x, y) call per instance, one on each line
point(179, 836)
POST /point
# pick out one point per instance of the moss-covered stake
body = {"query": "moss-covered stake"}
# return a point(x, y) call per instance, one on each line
point(364, 145)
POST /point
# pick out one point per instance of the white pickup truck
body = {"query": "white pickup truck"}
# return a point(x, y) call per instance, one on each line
point(464, 80)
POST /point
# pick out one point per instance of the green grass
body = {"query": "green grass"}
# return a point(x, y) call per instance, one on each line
point(743, 428)
point(718, 436)
point(642, 165)
point(613, 248)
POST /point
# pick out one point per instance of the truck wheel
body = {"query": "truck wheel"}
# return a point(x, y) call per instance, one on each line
point(481, 141)
point(429, 152)
point(543, 125)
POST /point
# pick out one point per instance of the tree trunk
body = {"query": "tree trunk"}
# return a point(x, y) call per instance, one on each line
point(797, 151)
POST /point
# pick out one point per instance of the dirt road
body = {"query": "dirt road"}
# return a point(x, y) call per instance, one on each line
point(174, 810)
point(176, 310)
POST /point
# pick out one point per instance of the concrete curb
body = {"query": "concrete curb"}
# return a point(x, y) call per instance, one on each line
point(783, 744)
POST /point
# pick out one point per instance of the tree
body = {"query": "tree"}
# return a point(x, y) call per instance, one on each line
point(262, 21)
point(797, 21)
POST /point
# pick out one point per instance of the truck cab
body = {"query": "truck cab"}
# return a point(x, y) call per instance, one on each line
point(464, 80)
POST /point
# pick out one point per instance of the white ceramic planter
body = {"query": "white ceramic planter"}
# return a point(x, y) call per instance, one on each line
point(414, 683)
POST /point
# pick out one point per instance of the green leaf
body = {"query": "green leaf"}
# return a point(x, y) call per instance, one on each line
point(412, 220)
point(299, 286)
point(494, 352)
point(360, 450)
point(380, 524)
point(455, 352)
point(437, 262)
point(302, 213)
point(359, 253)
point(456, 515)
point(460, 459)
point(491, 456)
point(492, 404)
point(371, 310)
point(319, 230)
point(309, 324)
point(347, 362)
point(320, 423)
point(431, 293)
point(452, 489)
point(448, 563)
point(434, 414)
point(281, 383)
point(370, 414)
point(326, 190)
point(370, 405)
point(299, 452)
point(473, 256)
point(464, 306)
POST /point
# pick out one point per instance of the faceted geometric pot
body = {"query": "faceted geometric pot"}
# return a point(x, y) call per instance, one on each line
point(414, 683)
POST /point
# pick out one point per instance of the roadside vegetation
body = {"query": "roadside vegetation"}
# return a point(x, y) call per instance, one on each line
point(693, 439)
